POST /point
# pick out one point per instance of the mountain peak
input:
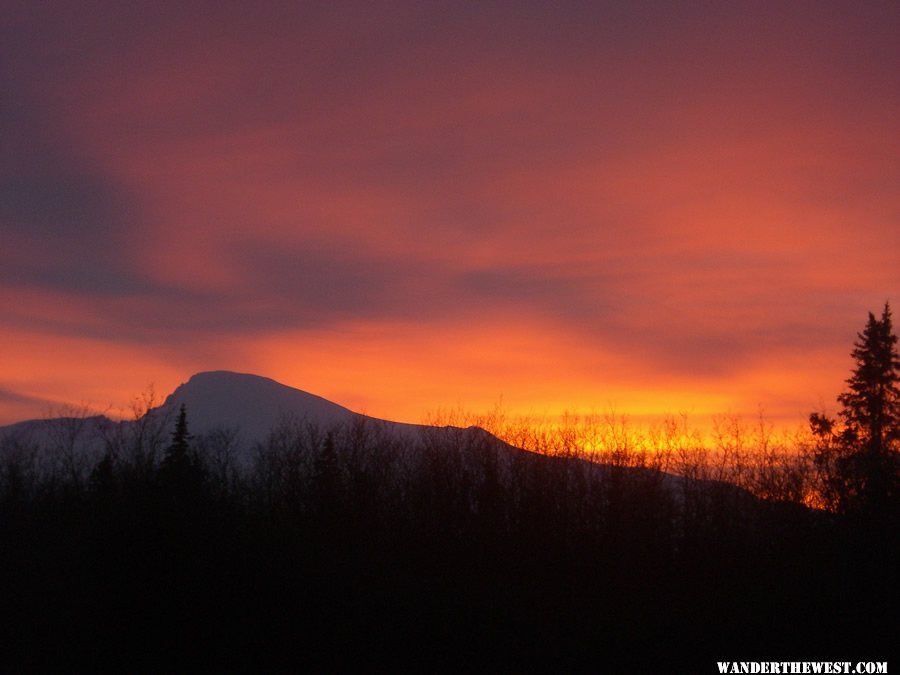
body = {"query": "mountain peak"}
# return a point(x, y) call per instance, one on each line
point(226, 376)
point(251, 403)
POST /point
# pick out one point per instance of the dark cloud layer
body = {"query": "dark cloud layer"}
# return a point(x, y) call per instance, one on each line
point(65, 223)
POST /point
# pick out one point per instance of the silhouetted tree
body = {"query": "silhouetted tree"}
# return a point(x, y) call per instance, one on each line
point(180, 472)
point(858, 456)
point(177, 452)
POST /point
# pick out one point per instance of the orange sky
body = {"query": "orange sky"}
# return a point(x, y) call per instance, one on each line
point(409, 206)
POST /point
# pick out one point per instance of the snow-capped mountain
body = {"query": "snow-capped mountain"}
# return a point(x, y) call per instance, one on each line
point(249, 403)
point(254, 405)
point(247, 408)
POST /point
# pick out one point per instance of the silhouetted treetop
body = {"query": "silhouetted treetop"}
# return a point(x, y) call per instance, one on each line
point(859, 458)
point(871, 405)
point(177, 452)
point(181, 473)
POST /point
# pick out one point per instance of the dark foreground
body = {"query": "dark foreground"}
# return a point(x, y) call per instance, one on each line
point(323, 559)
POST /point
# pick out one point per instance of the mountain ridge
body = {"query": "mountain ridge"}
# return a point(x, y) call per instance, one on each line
point(252, 406)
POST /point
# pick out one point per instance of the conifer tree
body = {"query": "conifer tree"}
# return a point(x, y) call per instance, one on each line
point(177, 453)
point(871, 405)
point(180, 471)
point(859, 457)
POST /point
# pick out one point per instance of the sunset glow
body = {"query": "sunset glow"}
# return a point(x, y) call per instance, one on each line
point(654, 206)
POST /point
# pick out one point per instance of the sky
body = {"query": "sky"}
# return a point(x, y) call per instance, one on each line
point(651, 207)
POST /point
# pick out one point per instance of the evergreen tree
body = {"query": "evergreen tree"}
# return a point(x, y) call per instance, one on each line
point(177, 454)
point(180, 472)
point(871, 406)
point(859, 458)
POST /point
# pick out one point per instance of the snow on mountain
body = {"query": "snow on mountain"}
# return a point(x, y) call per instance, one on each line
point(251, 404)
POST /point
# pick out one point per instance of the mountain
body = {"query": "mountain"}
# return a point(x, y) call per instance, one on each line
point(249, 405)
point(252, 404)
